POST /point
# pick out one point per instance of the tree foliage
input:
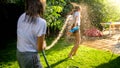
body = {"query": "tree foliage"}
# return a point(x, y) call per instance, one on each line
point(99, 11)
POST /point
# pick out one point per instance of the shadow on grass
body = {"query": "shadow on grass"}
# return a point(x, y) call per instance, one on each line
point(53, 65)
point(111, 64)
point(9, 53)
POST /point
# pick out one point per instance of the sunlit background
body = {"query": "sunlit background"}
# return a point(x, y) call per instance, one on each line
point(115, 3)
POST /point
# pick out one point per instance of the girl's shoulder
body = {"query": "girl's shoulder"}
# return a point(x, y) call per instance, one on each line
point(41, 20)
point(77, 12)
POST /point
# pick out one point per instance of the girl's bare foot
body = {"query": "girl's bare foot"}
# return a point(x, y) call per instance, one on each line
point(70, 56)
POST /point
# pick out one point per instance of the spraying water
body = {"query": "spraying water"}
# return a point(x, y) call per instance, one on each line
point(85, 24)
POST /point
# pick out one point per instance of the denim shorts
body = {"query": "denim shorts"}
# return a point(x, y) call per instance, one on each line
point(28, 60)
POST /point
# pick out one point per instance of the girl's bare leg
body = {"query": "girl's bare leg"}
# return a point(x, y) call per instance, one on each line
point(77, 42)
point(76, 46)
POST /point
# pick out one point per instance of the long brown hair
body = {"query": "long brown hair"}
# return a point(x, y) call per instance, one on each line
point(76, 8)
point(33, 8)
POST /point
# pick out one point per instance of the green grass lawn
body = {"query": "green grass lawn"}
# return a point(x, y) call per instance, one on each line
point(58, 57)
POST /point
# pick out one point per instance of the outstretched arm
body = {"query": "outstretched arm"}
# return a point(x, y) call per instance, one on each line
point(41, 44)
